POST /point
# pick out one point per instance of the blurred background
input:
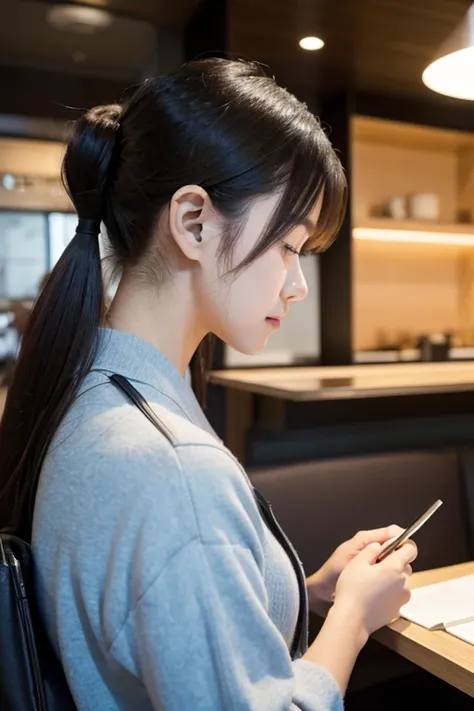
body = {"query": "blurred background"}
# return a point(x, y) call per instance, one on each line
point(397, 286)
point(361, 410)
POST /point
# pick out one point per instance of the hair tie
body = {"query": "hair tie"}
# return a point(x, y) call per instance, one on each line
point(86, 226)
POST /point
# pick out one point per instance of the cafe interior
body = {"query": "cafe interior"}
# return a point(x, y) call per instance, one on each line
point(360, 411)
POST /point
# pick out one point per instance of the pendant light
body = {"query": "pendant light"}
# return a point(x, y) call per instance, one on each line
point(452, 70)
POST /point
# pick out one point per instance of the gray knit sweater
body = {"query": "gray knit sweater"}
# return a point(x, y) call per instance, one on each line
point(159, 583)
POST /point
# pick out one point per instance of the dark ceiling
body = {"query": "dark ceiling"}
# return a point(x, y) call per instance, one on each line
point(44, 69)
point(370, 45)
point(119, 51)
point(165, 13)
point(377, 46)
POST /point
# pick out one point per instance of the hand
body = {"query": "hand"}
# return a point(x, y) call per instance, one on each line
point(373, 592)
point(322, 584)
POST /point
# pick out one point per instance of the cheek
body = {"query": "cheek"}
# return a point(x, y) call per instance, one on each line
point(255, 292)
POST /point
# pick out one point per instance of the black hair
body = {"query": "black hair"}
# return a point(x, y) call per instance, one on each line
point(221, 124)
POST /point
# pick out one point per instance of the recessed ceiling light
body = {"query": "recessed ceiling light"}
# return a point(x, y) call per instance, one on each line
point(311, 43)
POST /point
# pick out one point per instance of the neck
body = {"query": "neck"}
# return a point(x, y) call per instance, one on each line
point(168, 321)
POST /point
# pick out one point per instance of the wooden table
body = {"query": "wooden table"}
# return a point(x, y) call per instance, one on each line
point(438, 652)
point(347, 382)
point(280, 388)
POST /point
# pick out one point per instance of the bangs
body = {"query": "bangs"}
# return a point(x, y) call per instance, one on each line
point(314, 172)
point(314, 175)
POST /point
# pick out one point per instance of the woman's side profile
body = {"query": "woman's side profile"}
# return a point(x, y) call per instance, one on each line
point(160, 583)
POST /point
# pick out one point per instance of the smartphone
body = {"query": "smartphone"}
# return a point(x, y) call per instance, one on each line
point(408, 532)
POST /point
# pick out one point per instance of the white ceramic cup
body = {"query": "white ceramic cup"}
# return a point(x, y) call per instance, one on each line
point(424, 206)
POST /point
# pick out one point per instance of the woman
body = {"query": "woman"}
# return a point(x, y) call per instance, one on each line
point(160, 581)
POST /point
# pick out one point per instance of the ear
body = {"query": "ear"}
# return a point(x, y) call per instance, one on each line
point(192, 220)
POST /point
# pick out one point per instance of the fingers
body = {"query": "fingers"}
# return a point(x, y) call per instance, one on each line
point(403, 556)
point(378, 535)
point(370, 553)
point(410, 549)
point(394, 531)
point(406, 596)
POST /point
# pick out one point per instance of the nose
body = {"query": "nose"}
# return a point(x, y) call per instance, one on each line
point(295, 287)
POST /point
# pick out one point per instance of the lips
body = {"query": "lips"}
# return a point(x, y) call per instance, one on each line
point(278, 318)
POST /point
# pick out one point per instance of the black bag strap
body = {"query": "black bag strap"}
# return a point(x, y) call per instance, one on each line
point(300, 639)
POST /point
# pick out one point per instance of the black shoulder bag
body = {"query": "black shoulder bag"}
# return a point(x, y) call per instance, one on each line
point(31, 677)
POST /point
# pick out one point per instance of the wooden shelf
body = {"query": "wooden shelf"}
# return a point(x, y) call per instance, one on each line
point(411, 277)
point(406, 135)
point(386, 223)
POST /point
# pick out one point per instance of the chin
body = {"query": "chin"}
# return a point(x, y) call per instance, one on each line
point(248, 347)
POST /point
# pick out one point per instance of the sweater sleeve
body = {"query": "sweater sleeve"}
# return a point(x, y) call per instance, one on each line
point(200, 638)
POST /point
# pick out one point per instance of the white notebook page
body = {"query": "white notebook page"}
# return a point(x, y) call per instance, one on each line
point(441, 604)
point(464, 632)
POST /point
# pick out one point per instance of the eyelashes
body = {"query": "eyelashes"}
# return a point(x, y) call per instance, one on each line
point(289, 248)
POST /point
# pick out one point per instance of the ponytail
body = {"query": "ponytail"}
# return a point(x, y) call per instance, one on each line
point(223, 125)
point(60, 341)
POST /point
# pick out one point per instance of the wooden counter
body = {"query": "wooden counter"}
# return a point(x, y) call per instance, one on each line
point(347, 382)
point(280, 400)
point(440, 653)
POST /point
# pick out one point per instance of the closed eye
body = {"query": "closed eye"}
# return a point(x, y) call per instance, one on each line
point(290, 248)
point(293, 250)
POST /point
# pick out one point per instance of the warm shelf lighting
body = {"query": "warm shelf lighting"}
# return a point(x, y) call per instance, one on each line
point(311, 43)
point(452, 70)
point(413, 236)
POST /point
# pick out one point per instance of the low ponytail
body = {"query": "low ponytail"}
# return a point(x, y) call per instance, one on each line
point(60, 341)
point(223, 125)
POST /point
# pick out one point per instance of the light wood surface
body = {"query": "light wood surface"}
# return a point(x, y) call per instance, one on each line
point(404, 290)
point(466, 178)
point(329, 383)
point(409, 135)
point(437, 652)
point(391, 158)
point(30, 157)
point(387, 223)
point(3, 396)
point(383, 169)
point(401, 291)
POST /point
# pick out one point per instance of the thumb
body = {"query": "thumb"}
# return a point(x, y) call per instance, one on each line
point(406, 554)
point(370, 553)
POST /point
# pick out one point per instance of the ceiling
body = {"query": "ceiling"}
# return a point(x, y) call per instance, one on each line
point(126, 50)
point(120, 51)
point(374, 46)
point(45, 69)
point(163, 13)
point(370, 45)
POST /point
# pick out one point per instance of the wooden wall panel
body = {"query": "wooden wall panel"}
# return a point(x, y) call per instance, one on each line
point(381, 171)
point(402, 291)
